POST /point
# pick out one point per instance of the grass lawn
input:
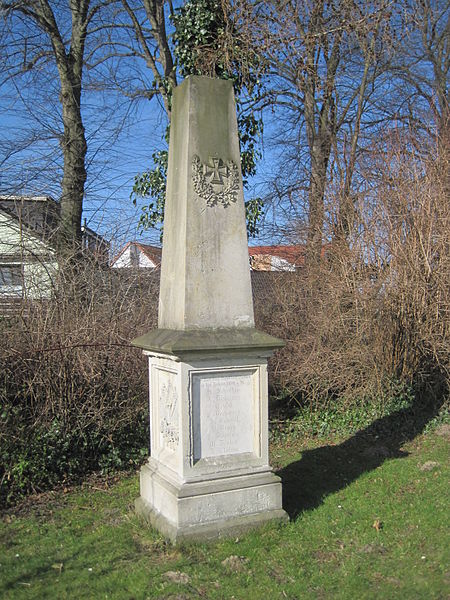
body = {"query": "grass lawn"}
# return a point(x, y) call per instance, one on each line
point(368, 520)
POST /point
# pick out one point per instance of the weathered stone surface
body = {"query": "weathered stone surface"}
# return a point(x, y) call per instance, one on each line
point(208, 416)
point(179, 342)
point(208, 474)
point(222, 413)
point(210, 509)
point(205, 276)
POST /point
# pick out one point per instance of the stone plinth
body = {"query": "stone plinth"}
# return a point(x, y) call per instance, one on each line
point(209, 474)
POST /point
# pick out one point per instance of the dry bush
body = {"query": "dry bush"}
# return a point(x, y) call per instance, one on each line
point(73, 390)
point(377, 314)
point(329, 338)
point(412, 244)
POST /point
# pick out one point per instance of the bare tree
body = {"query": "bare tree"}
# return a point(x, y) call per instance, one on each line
point(148, 24)
point(199, 41)
point(321, 61)
point(37, 33)
point(421, 66)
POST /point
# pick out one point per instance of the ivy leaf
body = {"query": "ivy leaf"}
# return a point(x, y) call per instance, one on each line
point(200, 45)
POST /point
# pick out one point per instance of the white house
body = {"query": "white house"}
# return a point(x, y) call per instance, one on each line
point(135, 255)
point(28, 260)
point(276, 258)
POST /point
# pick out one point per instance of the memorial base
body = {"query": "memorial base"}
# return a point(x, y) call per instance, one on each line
point(208, 474)
point(209, 509)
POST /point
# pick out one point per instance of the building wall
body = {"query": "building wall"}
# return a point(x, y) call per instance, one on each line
point(281, 264)
point(27, 264)
point(268, 262)
point(132, 257)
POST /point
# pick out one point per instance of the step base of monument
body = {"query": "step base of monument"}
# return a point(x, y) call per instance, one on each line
point(180, 512)
point(220, 528)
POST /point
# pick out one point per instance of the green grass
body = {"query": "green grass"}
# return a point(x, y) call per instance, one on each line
point(87, 543)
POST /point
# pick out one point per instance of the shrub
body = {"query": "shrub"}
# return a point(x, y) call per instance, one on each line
point(365, 334)
point(73, 391)
point(378, 309)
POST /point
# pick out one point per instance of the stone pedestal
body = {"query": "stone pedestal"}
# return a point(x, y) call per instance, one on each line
point(208, 474)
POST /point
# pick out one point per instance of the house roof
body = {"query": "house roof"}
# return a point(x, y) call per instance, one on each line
point(295, 255)
point(40, 215)
point(153, 253)
point(14, 226)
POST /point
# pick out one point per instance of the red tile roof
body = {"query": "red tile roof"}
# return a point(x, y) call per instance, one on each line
point(295, 255)
point(151, 252)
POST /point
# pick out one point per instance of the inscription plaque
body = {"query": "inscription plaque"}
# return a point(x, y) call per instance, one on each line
point(223, 414)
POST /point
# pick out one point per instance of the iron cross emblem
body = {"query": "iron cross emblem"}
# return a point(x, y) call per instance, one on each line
point(216, 171)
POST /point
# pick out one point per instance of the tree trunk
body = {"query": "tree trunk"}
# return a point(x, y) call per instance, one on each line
point(346, 209)
point(74, 148)
point(320, 153)
point(69, 62)
point(320, 120)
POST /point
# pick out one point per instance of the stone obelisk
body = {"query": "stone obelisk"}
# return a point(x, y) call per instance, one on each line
point(208, 473)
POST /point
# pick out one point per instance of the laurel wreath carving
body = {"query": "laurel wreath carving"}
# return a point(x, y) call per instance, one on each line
point(225, 196)
point(168, 425)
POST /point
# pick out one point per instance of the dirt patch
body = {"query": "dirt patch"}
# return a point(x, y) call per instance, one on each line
point(373, 549)
point(430, 465)
point(323, 556)
point(177, 577)
point(444, 431)
point(235, 563)
point(42, 504)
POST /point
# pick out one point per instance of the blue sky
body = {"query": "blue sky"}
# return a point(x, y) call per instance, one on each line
point(114, 158)
point(123, 135)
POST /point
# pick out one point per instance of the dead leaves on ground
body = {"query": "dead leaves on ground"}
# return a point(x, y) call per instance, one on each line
point(377, 525)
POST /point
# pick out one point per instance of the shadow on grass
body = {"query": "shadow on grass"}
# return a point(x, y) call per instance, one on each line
point(25, 580)
point(327, 469)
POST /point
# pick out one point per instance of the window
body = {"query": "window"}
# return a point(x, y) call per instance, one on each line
point(10, 278)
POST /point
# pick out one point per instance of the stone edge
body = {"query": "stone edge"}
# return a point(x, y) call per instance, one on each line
point(174, 341)
point(200, 487)
point(207, 531)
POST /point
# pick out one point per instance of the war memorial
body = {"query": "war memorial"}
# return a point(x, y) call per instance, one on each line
point(208, 474)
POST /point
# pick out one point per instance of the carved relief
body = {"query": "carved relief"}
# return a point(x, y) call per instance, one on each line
point(168, 410)
point(216, 182)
